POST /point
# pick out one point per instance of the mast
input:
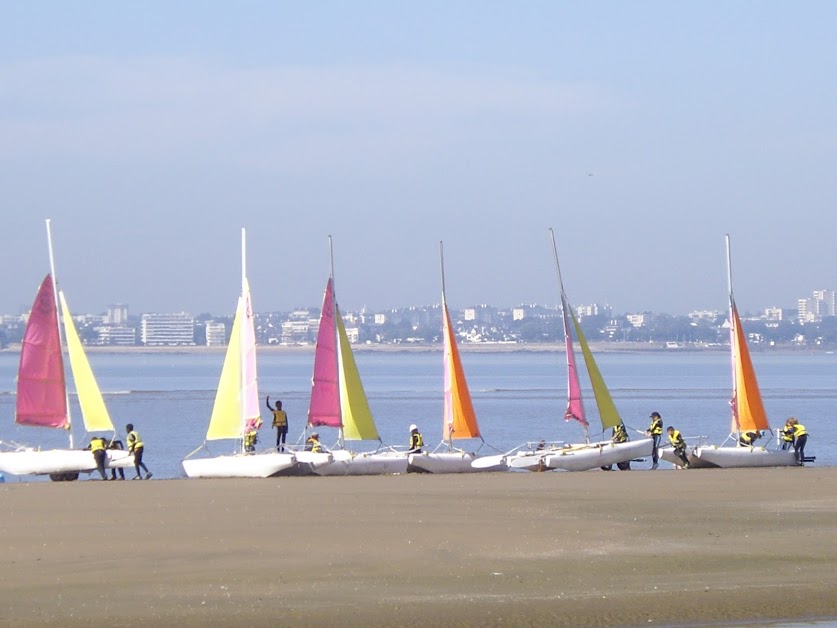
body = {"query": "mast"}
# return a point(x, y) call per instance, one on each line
point(567, 340)
point(242, 374)
point(732, 344)
point(58, 320)
point(447, 436)
point(340, 438)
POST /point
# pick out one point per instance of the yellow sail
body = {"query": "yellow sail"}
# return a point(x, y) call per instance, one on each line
point(608, 413)
point(460, 418)
point(226, 421)
point(748, 410)
point(354, 407)
point(93, 409)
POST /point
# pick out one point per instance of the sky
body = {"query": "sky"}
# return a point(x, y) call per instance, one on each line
point(151, 132)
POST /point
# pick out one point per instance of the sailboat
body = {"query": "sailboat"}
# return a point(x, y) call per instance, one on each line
point(586, 455)
point(338, 400)
point(42, 394)
point(459, 421)
point(748, 414)
point(236, 402)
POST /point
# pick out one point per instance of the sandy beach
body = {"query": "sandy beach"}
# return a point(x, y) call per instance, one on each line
point(511, 549)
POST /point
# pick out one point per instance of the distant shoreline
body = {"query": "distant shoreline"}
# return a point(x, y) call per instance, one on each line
point(597, 347)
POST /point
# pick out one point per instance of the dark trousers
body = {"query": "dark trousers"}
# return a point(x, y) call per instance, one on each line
point(787, 444)
point(138, 463)
point(99, 456)
point(281, 433)
point(655, 456)
point(800, 448)
point(680, 452)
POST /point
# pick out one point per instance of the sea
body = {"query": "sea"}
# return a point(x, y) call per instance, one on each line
point(518, 397)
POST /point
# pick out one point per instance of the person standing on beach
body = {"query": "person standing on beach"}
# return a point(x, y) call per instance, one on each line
point(416, 441)
point(655, 431)
point(676, 439)
point(280, 422)
point(116, 444)
point(620, 435)
point(800, 435)
point(97, 447)
point(136, 447)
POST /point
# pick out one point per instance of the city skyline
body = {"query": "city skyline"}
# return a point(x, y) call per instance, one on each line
point(151, 133)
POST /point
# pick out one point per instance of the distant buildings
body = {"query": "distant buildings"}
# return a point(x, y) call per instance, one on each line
point(216, 334)
point(167, 329)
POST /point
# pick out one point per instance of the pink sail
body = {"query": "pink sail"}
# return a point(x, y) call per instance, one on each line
point(324, 408)
point(575, 406)
point(41, 392)
point(250, 408)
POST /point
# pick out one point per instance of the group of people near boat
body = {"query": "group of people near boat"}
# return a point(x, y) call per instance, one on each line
point(99, 445)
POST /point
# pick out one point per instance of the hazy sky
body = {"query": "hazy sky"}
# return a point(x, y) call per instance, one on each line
point(151, 132)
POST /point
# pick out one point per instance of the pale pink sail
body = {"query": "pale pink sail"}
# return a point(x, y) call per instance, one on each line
point(575, 406)
point(324, 408)
point(41, 391)
point(251, 408)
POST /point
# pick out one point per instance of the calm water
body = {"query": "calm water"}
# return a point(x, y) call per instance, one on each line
point(518, 396)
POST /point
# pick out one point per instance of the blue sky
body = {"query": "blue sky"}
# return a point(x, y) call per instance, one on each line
point(642, 132)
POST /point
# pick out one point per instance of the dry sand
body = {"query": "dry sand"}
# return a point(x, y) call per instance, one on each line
point(518, 549)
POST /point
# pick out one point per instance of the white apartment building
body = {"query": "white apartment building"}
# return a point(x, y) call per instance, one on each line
point(636, 320)
point(216, 334)
point(117, 314)
point(773, 314)
point(117, 335)
point(167, 329)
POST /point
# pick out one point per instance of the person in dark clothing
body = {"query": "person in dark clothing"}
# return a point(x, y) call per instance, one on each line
point(749, 438)
point(620, 435)
point(800, 440)
point(136, 447)
point(116, 444)
point(676, 439)
point(280, 422)
point(98, 446)
point(655, 431)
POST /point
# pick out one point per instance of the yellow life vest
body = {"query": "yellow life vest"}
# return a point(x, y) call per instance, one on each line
point(619, 434)
point(280, 418)
point(799, 430)
point(416, 441)
point(788, 434)
point(97, 444)
point(134, 441)
point(315, 445)
point(676, 439)
point(656, 428)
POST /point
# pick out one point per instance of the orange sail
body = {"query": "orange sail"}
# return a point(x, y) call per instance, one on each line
point(747, 408)
point(460, 420)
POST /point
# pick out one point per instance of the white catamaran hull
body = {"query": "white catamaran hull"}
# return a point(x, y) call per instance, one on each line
point(50, 461)
point(367, 463)
point(598, 455)
point(446, 462)
point(239, 466)
point(735, 457)
point(667, 454)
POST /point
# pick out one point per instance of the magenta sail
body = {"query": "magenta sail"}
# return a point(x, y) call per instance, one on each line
point(325, 392)
point(575, 406)
point(41, 392)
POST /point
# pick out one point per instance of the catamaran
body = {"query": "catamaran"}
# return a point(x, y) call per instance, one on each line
point(42, 393)
point(338, 400)
point(459, 421)
point(586, 455)
point(237, 403)
point(748, 414)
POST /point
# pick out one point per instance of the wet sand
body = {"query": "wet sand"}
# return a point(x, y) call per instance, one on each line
point(511, 549)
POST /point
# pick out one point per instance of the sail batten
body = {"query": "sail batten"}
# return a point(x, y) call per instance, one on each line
point(94, 412)
point(41, 386)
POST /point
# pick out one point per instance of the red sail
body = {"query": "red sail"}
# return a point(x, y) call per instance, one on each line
point(41, 392)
